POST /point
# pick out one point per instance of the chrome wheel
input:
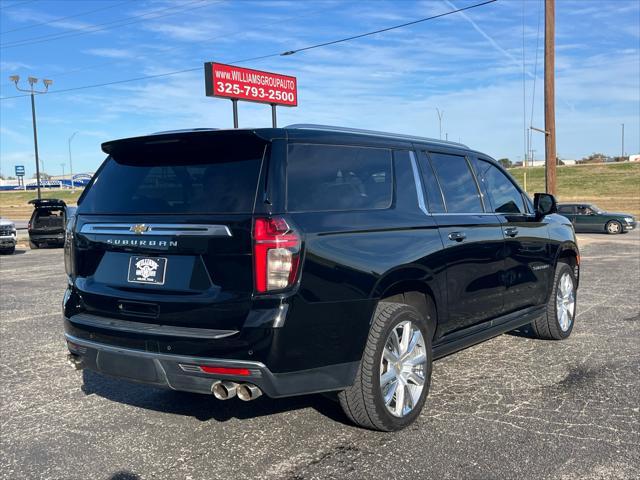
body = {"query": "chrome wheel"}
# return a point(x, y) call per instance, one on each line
point(614, 227)
point(565, 302)
point(403, 368)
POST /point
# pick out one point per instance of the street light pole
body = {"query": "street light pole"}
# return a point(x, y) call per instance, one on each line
point(622, 153)
point(70, 161)
point(32, 91)
point(440, 115)
point(62, 165)
point(35, 142)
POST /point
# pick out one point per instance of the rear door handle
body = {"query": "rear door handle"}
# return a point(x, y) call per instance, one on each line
point(457, 236)
point(511, 231)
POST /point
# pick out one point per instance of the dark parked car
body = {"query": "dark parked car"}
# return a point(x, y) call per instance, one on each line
point(307, 259)
point(46, 226)
point(588, 218)
point(7, 236)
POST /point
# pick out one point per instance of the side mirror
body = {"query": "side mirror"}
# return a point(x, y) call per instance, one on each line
point(544, 204)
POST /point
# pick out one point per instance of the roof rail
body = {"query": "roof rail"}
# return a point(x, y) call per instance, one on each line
point(184, 130)
point(400, 136)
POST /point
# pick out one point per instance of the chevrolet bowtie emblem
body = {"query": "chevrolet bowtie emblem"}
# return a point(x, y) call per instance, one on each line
point(140, 229)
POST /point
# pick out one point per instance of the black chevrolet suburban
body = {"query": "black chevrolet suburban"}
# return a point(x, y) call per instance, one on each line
point(307, 259)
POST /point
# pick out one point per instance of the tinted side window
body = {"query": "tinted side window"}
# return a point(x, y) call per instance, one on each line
point(584, 210)
point(458, 185)
point(434, 195)
point(327, 177)
point(504, 195)
point(405, 190)
point(565, 209)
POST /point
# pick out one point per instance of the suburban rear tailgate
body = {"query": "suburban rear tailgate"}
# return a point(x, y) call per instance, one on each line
point(163, 235)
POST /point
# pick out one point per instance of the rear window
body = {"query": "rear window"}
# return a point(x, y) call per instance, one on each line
point(192, 176)
point(327, 177)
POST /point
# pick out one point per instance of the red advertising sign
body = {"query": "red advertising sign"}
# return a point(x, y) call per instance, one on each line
point(239, 83)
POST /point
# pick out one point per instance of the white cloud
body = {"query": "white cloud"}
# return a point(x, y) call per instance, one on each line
point(111, 52)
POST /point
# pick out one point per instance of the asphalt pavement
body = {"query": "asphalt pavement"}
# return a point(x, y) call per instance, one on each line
point(512, 407)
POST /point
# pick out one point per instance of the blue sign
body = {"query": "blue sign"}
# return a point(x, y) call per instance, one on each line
point(19, 170)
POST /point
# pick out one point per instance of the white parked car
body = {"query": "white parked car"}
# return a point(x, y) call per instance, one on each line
point(7, 236)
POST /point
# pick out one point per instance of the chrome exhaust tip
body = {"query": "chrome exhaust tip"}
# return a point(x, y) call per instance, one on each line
point(247, 392)
point(75, 361)
point(224, 390)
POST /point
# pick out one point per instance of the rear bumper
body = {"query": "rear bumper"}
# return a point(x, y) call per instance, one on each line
point(166, 370)
point(55, 237)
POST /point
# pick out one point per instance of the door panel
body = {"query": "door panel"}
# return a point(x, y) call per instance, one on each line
point(528, 266)
point(587, 220)
point(474, 263)
point(527, 262)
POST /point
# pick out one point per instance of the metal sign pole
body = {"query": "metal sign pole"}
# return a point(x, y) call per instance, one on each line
point(235, 112)
point(274, 119)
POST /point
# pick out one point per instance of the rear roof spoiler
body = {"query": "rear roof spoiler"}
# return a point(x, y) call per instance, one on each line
point(47, 202)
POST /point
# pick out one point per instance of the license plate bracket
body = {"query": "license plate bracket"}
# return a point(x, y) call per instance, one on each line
point(147, 270)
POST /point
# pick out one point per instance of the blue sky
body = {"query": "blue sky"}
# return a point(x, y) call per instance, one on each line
point(468, 64)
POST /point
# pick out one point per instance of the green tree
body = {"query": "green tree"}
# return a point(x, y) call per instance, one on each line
point(505, 162)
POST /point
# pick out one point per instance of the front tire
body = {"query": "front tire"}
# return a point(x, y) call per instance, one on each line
point(558, 320)
point(393, 379)
point(614, 227)
point(8, 251)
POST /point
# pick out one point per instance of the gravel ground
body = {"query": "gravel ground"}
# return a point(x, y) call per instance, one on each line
point(512, 407)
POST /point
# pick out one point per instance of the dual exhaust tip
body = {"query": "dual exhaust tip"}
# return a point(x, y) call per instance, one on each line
point(224, 390)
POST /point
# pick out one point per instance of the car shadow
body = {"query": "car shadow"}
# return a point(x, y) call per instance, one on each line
point(15, 252)
point(203, 407)
point(525, 331)
point(125, 475)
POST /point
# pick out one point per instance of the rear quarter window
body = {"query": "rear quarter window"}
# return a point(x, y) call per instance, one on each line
point(330, 178)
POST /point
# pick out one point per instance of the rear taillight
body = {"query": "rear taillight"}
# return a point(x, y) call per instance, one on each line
point(69, 249)
point(276, 250)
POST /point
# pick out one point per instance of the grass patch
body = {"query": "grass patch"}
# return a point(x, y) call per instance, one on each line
point(612, 186)
point(14, 204)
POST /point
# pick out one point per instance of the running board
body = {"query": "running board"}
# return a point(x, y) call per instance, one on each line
point(485, 331)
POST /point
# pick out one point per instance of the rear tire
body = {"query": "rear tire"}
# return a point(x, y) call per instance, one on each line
point(558, 320)
point(403, 373)
point(613, 227)
point(8, 251)
point(33, 246)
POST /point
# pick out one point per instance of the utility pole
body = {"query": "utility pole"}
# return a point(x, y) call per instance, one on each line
point(549, 96)
point(70, 161)
point(622, 153)
point(440, 115)
point(32, 91)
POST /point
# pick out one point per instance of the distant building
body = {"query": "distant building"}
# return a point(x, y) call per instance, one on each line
point(634, 158)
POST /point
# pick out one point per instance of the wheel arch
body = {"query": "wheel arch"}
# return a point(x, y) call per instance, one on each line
point(414, 286)
point(568, 253)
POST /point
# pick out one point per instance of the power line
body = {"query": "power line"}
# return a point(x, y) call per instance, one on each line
point(178, 47)
point(262, 57)
point(33, 25)
point(524, 93)
point(535, 66)
point(93, 28)
point(291, 52)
